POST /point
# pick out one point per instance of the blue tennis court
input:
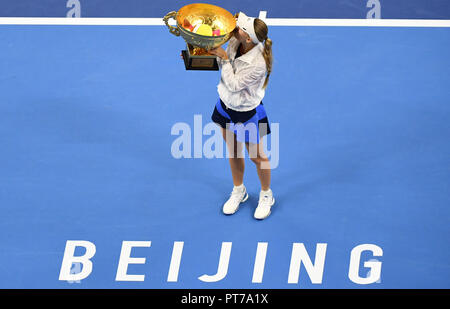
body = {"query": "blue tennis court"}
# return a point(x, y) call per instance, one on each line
point(86, 135)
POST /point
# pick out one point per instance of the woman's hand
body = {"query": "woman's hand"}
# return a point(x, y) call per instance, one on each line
point(219, 52)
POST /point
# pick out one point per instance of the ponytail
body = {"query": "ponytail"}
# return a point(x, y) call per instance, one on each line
point(267, 54)
point(261, 32)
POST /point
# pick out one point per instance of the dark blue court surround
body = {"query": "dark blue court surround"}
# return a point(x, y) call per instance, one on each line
point(396, 9)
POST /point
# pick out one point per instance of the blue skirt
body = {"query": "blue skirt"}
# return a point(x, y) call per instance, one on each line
point(249, 127)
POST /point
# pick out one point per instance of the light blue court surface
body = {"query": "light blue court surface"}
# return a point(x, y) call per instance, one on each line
point(86, 114)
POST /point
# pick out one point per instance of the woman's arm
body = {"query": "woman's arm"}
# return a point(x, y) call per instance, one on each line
point(219, 52)
point(237, 81)
point(245, 77)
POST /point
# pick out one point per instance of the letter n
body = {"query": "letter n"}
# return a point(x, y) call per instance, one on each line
point(299, 255)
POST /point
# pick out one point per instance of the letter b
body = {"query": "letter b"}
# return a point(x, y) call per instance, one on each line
point(69, 259)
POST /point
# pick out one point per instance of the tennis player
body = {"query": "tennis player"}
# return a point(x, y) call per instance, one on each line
point(245, 67)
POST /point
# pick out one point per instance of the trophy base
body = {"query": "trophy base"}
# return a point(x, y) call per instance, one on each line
point(199, 62)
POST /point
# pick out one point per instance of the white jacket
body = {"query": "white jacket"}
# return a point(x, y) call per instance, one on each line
point(242, 79)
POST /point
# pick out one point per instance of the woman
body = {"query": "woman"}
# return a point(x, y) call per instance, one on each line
point(245, 69)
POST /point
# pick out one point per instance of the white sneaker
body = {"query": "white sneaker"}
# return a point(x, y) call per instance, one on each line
point(265, 203)
point(236, 197)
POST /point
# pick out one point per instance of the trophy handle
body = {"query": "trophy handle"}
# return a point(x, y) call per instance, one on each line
point(174, 30)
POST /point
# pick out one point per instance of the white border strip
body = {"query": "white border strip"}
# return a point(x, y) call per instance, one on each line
point(270, 22)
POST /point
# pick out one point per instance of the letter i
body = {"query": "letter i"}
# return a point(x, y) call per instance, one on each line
point(260, 261)
point(175, 262)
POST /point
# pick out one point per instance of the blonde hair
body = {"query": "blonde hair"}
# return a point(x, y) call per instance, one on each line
point(261, 32)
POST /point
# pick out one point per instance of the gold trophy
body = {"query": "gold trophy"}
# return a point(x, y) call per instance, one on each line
point(203, 27)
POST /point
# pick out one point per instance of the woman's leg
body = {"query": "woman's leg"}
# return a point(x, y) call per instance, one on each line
point(257, 155)
point(266, 199)
point(236, 159)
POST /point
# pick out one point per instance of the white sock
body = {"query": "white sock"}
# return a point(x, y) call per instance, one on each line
point(268, 192)
point(240, 188)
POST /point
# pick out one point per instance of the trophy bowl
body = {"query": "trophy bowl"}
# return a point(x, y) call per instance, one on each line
point(217, 25)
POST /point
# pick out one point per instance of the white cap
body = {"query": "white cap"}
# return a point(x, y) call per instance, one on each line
point(246, 24)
